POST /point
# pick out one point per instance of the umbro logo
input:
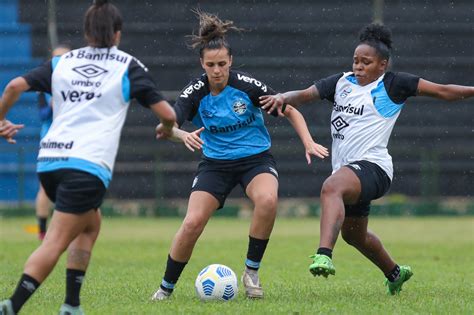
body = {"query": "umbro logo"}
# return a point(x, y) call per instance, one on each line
point(338, 123)
point(90, 71)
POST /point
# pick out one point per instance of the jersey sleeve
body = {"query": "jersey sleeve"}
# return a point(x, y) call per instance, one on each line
point(400, 86)
point(142, 86)
point(327, 86)
point(39, 79)
point(187, 103)
point(252, 87)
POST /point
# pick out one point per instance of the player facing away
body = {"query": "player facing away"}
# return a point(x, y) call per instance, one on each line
point(91, 89)
point(223, 104)
point(367, 102)
point(42, 202)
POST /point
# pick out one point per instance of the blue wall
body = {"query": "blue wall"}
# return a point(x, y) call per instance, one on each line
point(18, 180)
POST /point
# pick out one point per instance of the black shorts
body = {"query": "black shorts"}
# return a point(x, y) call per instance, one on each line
point(219, 177)
point(73, 191)
point(374, 183)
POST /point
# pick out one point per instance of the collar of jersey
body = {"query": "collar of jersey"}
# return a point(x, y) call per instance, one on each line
point(351, 78)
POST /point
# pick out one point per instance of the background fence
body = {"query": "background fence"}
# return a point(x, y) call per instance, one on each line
point(288, 45)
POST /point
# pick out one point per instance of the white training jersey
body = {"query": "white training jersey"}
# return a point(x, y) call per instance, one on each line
point(91, 90)
point(363, 116)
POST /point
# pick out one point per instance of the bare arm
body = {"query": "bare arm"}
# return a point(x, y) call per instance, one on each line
point(301, 96)
point(167, 117)
point(448, 92)
point(191, 140)
point(298, 97)
point(298, 122)
point(11, 94)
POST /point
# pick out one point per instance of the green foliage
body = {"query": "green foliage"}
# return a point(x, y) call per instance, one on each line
point(130, 256)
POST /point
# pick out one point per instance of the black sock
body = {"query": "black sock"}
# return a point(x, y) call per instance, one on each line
point(173, 271)
point(325, 251)
point(24, 290)
point(74, 279)
point(42, 224)
point(255, 252)
point(394, 274)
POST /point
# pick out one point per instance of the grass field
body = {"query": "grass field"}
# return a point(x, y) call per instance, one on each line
point(130, 256)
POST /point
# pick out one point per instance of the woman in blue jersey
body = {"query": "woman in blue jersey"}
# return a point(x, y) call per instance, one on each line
point(223, 104)
point(367, 102)
point(91, 89)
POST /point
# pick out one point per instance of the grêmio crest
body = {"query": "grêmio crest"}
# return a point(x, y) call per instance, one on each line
point(239, 107)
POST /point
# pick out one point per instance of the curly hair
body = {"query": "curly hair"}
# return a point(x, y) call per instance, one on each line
point(379, 37)
point(212, 32)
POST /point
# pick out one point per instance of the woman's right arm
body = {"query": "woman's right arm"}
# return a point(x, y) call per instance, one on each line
point(298, 97)
point(11, 94)
point(191, 140)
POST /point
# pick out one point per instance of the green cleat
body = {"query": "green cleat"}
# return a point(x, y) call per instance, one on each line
point(6, 308)
point(396, 286)
point(67, 309)
point(322, 266)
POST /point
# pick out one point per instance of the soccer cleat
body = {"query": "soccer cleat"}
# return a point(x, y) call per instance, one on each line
point(161, 295)
point(322, 266)
point(253, 289)
point(67, 309)
point(396, 286)
point(6, 308)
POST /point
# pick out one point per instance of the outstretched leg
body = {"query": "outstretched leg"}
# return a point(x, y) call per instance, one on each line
point(201, 206)
point(355, 232)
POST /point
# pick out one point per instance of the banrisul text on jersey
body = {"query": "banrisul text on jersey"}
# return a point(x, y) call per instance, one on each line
point(91, 90)
point(233, 122)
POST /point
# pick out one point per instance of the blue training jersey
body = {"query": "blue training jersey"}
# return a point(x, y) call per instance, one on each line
point(233, 122)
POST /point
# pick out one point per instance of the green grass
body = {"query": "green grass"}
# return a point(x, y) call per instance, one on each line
point(130, 256)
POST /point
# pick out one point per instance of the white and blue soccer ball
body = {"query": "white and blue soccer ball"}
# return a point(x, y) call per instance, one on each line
point(216, 282)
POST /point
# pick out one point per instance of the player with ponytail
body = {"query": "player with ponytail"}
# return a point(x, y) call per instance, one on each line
point(367, 102)
point(77, 154)
point(223, 104)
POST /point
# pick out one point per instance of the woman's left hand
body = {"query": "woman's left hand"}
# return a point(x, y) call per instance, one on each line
point(315, 149)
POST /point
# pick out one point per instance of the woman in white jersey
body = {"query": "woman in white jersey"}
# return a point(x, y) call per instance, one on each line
point(367, 102)
point(91, 89)
point(223, 104)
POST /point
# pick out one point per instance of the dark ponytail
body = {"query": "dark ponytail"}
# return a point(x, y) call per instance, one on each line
point(212, 32)
point(101, 22)
point(379, 37)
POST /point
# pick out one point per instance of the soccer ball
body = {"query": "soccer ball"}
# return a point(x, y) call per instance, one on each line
point(216, 282)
